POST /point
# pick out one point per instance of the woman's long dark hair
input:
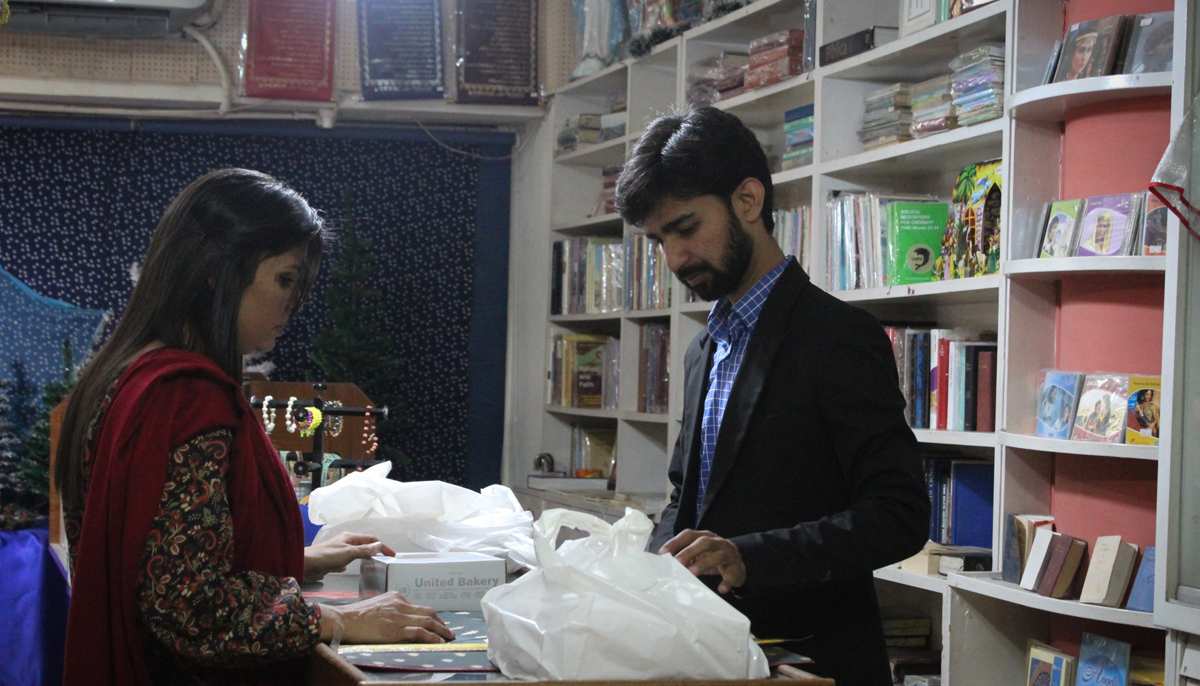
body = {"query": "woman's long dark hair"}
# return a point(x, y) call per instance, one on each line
point(202, 258)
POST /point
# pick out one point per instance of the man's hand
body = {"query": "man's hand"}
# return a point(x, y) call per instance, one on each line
point(704, 552)
point(333, 555)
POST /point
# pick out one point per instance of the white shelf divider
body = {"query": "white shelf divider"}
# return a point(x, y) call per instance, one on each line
point(1058, 445)
point(916, 152)
point(935, 583)
point(975, 289)
point(646, 314)
point(576, 318)
point(981, 439)
point(1052, 268)
point(984, 583)
point(1049, 103)
point(583, 412)
point(645, 417)
point(597, 154)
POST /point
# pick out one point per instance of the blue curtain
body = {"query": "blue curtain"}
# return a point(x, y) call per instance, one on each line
point(79, 200)
point(33, 602)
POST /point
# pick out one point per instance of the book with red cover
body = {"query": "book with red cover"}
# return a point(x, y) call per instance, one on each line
point(943, 382)
point(1063, 588)
point(1059, 548)
point(289, 49)
point(985, 397)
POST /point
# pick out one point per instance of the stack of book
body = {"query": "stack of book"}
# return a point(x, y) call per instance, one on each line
point(960, 492)
point(720, 78)
point(907, 632)
point(775, 57)
point(978, 85)
point(606, 203)
point(948, 377)
point(590, 128)
point(586, 275)
point(798, 136)
point(647, 279)
point(932, 107)
point(793, 232)
point(653, 366)
point(915, 665)
point(887, 117)
point(584, 370)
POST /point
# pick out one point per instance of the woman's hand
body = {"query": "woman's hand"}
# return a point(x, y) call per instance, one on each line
point(386, 618)
point(333, 555)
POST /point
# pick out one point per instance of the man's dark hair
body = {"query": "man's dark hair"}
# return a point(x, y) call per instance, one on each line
point(681, 156)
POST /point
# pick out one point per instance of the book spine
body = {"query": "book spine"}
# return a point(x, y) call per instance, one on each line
point(986, 397)
point(848, 46)
point(943, 353)
point(970, 362)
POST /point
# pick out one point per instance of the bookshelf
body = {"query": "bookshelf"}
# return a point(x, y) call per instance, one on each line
point(1046, 313)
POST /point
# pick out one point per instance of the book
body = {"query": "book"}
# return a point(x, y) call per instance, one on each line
point(1010, 560)
point(966, 562)
point(915, 626)
point(1109, 571)
point(1141, 595)
point(856, 43)
point(1151, 43)
point(1063, 566)
point(906, 662)
point(1153, 239)
point(1142, 411)
point(400, 49)
point(1039, 557)
point(975, 216)
point(1147, 671)
point(289, 47)
point(1058, 392)
point(1027, 526)
point(491, 51)
point(1057, 555)
point(1060, 229)
point(907, 641)
point(971, 381)
point(1090, 48)
point(1049, 666)
point(985, 394)
point(1052, 63)
point(1106, 223)
point(914, 233)
point(971, 503)
point(916, 15)
point(1102, 661)
point(1102, 409)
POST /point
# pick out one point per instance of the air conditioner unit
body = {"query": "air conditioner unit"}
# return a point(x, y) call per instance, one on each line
point(104, 18)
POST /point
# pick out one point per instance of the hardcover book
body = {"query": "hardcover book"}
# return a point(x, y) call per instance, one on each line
point(1106, 223)
point(1142, 412)
point(1049, 667)
point(1102, 661)
point(1058, 234)
point(914, 234)
point(1151, 43)
point(1108, 572)
point(289, 49)
point(971, 243)
point(1057, 394)
point(856, 43)
point(494, 54)
point(1102, 405)
point(1141, 596)
point(1090, 48)
point(971, 503)
point(1039, 558)
point(1154, 226)
point(1065, 583)
point(400, 49)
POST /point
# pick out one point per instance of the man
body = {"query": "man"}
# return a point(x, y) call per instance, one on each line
point(795, 474)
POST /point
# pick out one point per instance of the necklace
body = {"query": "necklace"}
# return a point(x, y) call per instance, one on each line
point(333, 422)
point(289, 419)
point(268, 419)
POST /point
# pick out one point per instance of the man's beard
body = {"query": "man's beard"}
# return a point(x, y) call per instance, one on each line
point(735, 262)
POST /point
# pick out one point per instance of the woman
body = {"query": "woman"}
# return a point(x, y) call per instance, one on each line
point(185, 536)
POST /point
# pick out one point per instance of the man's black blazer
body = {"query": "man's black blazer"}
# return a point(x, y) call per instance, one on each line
point(816, 476)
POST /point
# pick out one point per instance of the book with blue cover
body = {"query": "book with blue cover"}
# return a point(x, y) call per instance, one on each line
point(1057, 395)
point(400, 49)
point(1102, 662)
point(1141, 598)
point(971, 503)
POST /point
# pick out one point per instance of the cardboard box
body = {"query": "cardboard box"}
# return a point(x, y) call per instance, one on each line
point(442, 581)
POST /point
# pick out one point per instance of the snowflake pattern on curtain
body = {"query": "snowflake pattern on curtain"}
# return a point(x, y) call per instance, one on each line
point(77, 209)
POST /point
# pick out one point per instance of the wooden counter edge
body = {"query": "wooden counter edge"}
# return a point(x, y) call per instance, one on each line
point(327, 668)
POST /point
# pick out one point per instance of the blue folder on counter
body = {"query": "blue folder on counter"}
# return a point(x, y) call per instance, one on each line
point(971, 503)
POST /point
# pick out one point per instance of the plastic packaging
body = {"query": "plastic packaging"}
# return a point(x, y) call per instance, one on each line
point(1102, 406)
point(425, 516)
point(774, 72)
point(779, 39)
point(601, 29)
point(602, 608)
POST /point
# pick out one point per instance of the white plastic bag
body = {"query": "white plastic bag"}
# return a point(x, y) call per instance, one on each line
point(603, 608)
point(422, 516)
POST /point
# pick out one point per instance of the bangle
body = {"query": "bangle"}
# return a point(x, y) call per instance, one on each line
point(268, 420)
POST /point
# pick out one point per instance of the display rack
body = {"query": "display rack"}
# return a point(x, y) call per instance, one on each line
point(1040, 309)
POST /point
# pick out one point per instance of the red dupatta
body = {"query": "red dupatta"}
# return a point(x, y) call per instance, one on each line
point(163, 400)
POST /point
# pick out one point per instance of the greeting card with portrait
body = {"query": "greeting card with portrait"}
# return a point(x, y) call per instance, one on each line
point(1090, 48)
point(1154, 226)
point(1142, 410)
point(1151, 43)
point(1060, 229)
point(1057, 392)
point(1106, 224)
point(1101, 413)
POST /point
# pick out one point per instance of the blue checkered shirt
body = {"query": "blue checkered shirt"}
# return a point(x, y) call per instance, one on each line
point(730, 325)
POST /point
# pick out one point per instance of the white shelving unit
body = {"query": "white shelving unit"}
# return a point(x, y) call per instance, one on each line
point(985, 623)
